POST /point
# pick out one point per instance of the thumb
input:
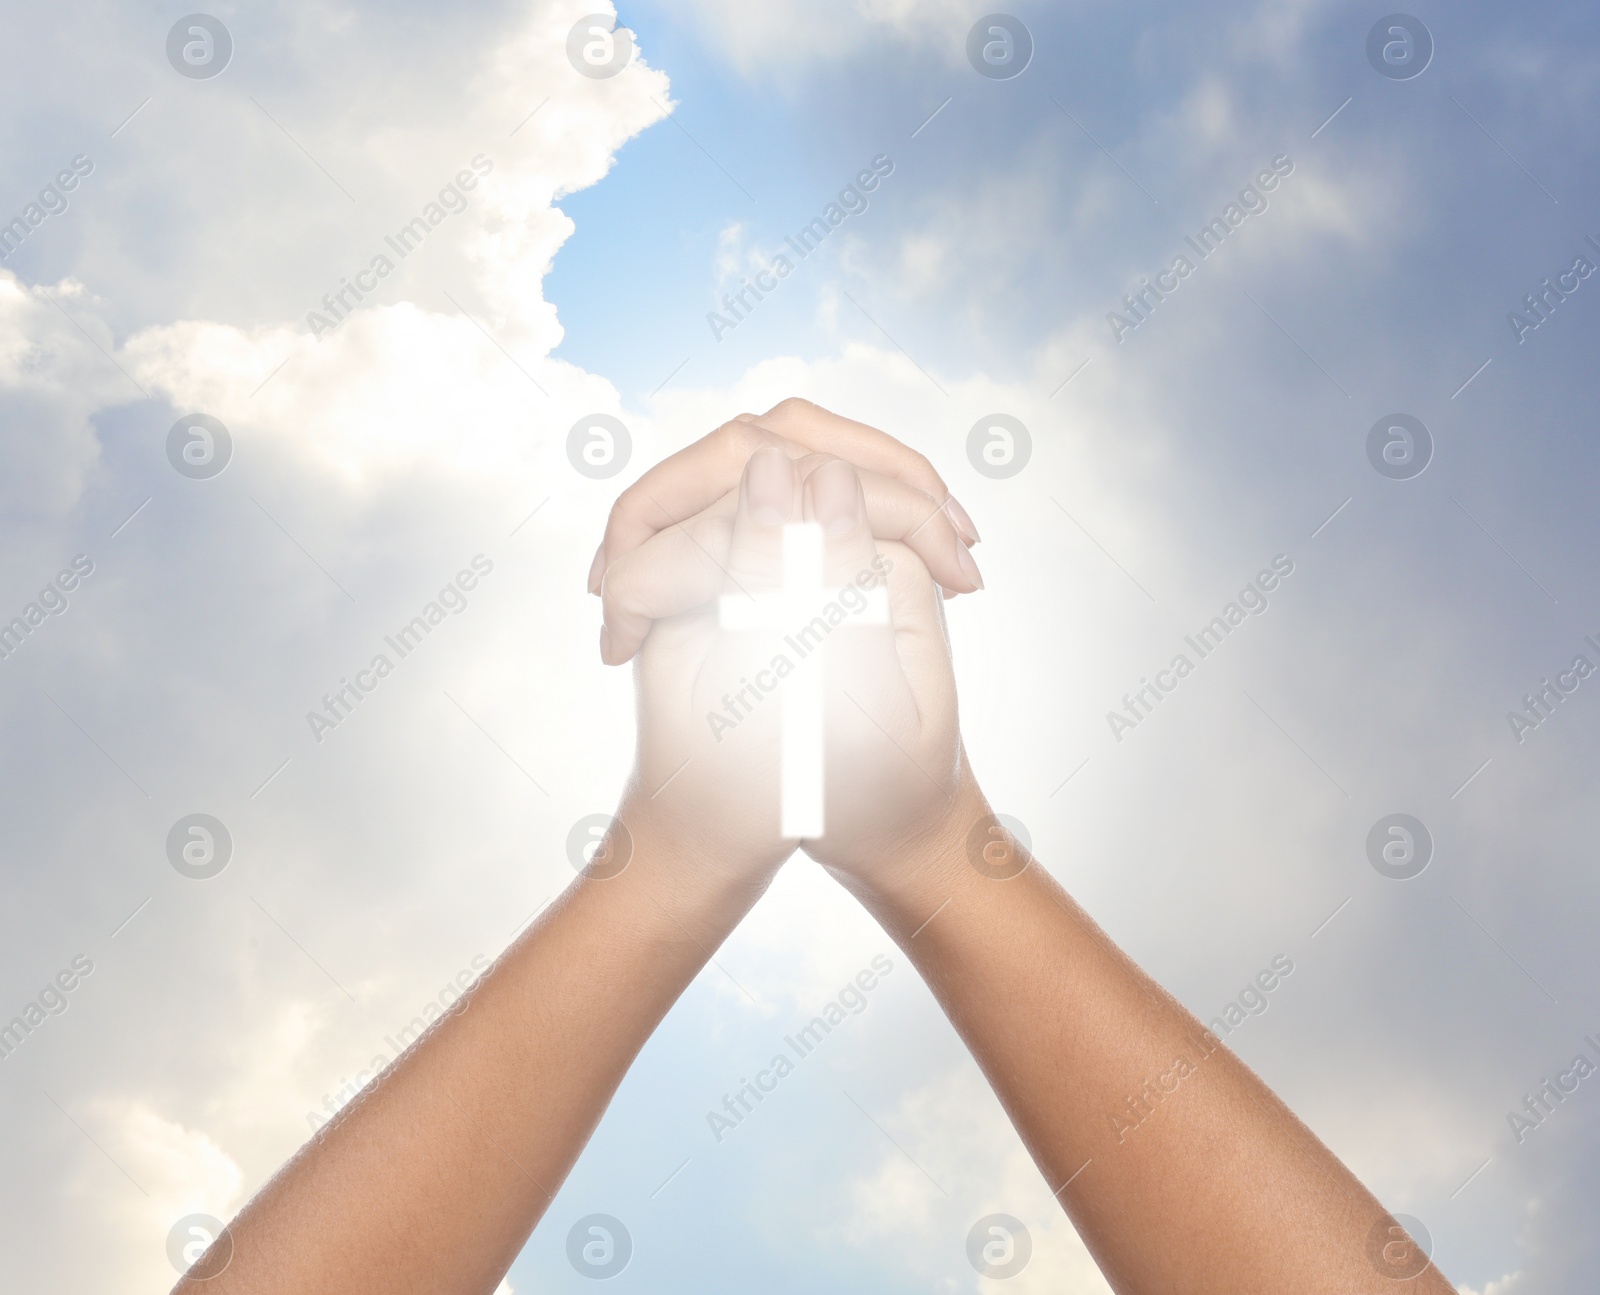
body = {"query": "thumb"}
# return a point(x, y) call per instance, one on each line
point(769, 498)
point(855, 580)
point(833, 500)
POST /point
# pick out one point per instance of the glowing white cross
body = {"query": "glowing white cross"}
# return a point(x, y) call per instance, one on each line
point(802, 598)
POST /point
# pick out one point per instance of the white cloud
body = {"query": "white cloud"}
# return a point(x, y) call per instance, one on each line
point(954, 1126)
point(183, 1170)
point(780, 37)
point(406, 433)
point(407, 405)
point(1511, 1284)
point(51, 381)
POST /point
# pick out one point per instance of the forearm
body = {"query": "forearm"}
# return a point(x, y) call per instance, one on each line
point(1179, 1167)
point(434, 1177)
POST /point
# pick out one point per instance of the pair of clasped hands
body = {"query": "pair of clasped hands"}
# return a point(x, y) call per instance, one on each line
point(1179, 1168)
point(708, 523)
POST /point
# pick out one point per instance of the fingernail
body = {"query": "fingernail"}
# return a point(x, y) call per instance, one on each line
point(605, 644)
point(597, 568)
point(769, 486)
point(835, 498)
point(963, 523)
point(969, 568)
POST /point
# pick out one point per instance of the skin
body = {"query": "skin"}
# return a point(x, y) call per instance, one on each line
point(1213, 1186)
point(433, 1178)
point(1178, 1166)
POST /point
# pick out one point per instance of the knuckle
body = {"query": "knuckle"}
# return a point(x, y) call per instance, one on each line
point(618, 598)
point(622, 507)
point(809, 463)
point(735, 438)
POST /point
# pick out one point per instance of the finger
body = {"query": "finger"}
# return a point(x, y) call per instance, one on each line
point(921, 636)
point(647, 583)
point(688, 481)
point(769, 499)
point(834, 500)
point(678, 570)
point(680, 486)
point(896, 511)
point(825, 432)
point(871, 696)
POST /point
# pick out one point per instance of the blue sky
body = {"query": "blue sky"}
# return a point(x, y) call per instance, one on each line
point(369, 465)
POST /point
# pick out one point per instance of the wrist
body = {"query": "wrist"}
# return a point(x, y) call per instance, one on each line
point(904, 885)
point(708, 880)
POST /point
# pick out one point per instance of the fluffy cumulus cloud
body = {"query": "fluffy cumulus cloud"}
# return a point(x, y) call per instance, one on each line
point(51, 381)
point(197, 278)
